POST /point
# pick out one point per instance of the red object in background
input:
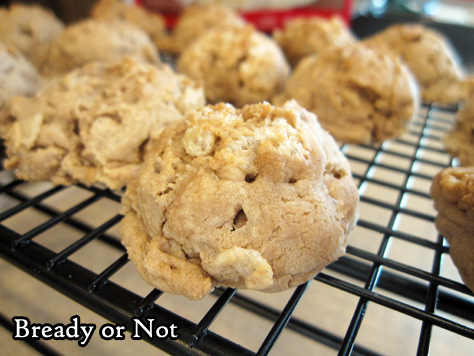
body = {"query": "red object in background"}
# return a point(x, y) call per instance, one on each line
point(269, 19)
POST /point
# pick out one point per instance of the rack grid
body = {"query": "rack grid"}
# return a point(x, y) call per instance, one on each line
point(379, 271)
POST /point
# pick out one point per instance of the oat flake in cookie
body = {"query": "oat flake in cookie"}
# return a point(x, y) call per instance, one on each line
point(259, 198)
point(95, 124)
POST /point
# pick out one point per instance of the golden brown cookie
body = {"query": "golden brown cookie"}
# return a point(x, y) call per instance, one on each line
point(304, 36)
point(151, 23)
point(29, 28)
point(452, 191)
point(197, 19)
point(95, 124)
point(459, 142)
point(240, 66)
point(17, 75)
point(358, 94)
point(259, 198)
point(97, 41)
point(430, 57)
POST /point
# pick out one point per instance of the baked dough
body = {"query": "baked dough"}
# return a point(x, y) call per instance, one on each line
point(239, 66)
point(92, 40)
point(304, 36)
point(17, 75)
point(95, 124)
point(29, 28)
point(196, 19)
point(430, 57)
point(152, 23)
point(259, 198)
point(453, 193)
point(459, 142)
point(358, 94)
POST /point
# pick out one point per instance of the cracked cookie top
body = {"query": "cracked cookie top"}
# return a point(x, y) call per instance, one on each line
point(259, 198)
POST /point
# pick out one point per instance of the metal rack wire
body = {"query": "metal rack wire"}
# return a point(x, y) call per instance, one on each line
point(370, 275)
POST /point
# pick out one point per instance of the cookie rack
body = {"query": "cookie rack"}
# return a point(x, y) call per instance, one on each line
point(396, 215)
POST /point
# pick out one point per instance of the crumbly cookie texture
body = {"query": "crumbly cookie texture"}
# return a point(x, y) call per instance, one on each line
point(29, 28)
point(97, 41)
point(452, 191)
point(305, 36)
point(430, 57)
point(459, 142)
point(358, 94)
point(239, 66)
point(152, 23)
point(95, 124)
point(259, 198)
point(17, 75)
point(196, 19)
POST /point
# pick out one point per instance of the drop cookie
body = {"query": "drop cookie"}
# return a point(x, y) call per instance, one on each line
point(358, 94)
point(91, 41)
point(452, 191)
point(304, 36)
point(95, 124)
point(256, 198)
point(30, 29)
point(239, 66)
point(430, 57)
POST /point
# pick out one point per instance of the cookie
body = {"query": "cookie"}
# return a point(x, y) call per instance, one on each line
point(256, 198)
point(303, 36)
point(17, 75)
point(30, 29)
point(359, 95)
point(239, 66)
point(430, 57)
point(196, 19)
point(152, 23)
point(95, 124)
point(92, 40)
point(452, 191)
point(459, 142)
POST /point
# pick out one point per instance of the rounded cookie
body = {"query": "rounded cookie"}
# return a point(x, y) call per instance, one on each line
point(152, 23)
point(459, 142)
point(17, 75)
point(358, 94)
point(239, 66)
point(304, 36)
point(431, 59)
point(97, 41)
point(30, 28)
point(95, 124)
point(259, 198)
point(452, 191)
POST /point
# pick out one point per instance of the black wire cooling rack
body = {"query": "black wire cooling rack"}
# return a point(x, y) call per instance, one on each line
point(396, 265)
